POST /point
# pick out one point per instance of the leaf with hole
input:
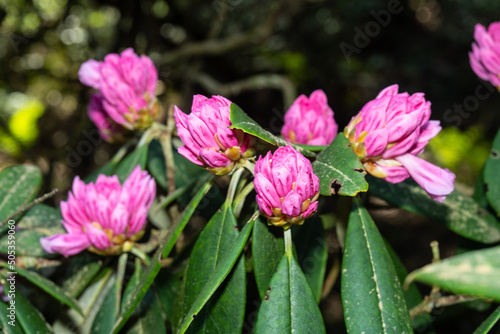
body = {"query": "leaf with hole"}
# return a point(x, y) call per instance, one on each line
point(339, 170)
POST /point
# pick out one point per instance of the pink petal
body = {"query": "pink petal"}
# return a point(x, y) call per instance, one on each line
point(281, 179)
point(119, 219)
point(188, 154)
point(97, 237)
point(292, 204)
point(212, 158)
point(437, 182)
point(90, 73)
point(313, 207)
point(65, 244)
point(263, 206)
point(266, 190)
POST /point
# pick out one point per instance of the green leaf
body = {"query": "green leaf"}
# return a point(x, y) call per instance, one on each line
point(488, 324)
point(4, 319)
point(106, 315)
point(79, 274)
point(474, 273)
point(147, 317)
point(153, 269)
point(18, 186)
point(223, 269)
point(168, 285)
point(412, 294)
point(240, 120)
point(491, 175)
point(268, 248)
point(90, 300)
point(29, 317)
point(137, 157)
point(132, 283)
point(459, 213)
point(290, 306)
point(48, 286)
point(339, 169)
point(310, 245)
point(224, 312)
point(372, 297)
point(480, 192)
point(186, 171)
point(40, 221)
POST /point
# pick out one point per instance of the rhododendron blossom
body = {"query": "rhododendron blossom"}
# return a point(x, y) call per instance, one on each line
point(485, 55)
point(388, 134)
point(310, 121)
point(127, 83)
point(106, 217)
point(287, 189)
point(208, 140)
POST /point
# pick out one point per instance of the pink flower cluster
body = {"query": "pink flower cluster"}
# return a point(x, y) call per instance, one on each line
point(310, 121)
point(208, 140)
point(126, 101)
point(485, 55)
point(287, 189)
point(105, 217)
point(388, 134)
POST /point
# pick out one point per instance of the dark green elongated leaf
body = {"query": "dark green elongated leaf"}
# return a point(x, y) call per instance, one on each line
point(488, 324)
point(18, 186)
point(459, 213)
point(290, 306)
point(224, 312)
point(186, 171)
point(412, 294)
point(147, 317)
point(339, 170)
point(106, 315)
point(133, 282)
point(90, 300)
point(480, 192)
point(474, 273)
point(152, 270)
point(314, 148)
point(40, 221)
point(491, 175)
point(372, 297)
point(223, 269)
point(29, 317)
point(10, 326)
point(268, 248)
point(137, 157)
point(240, 120)
point(310, 244)
point(81, 270)
point(168, 285)
point(48, 286)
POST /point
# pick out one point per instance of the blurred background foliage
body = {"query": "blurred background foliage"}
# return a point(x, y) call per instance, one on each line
point(261, 55)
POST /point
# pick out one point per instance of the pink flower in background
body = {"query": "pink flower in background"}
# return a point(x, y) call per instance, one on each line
point(310, 121)
point(109, 130)
point(287, 189)
point(127, 83)
point(485, 55)
point(388, 134)
point(106, 217)
point(208, 140)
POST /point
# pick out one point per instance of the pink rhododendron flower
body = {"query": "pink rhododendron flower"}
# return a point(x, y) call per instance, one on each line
point(287, 189)
point(109, 130)
point(388, 134)
point(127, 83)
point(310, 121)
point(208, 140)
point(106, 217)
point(485, 55)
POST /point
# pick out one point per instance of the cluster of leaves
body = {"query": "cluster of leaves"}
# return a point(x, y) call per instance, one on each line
point(199, 282)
